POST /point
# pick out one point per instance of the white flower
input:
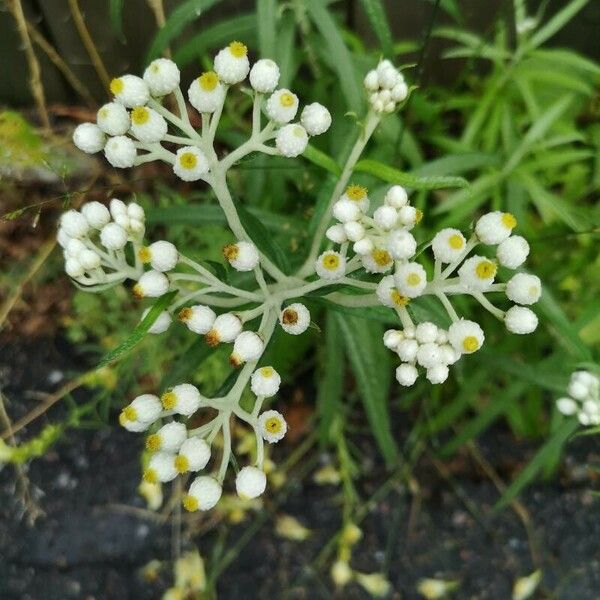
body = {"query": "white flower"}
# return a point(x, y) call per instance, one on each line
point(117, 207)
point(428, 355)
point(198, 318)
point(385, 217)
point(448, 245)
point(295, 318)
point(346, 211)
point(184, 399)
point(521, 320)
point(315, 118)
point(512, 252)
point(407, 349)
point(567, 406)
point(62, 237)
point(291, 140)
point(151, 284)
point(248, 347)
point(168, 438)
point(465, 336)
point(371, 81)
point(113, 237)
point(161, 255)
point(448, 355)
point(250, 482)
point(74, 248)
point(477, 273)
point(411, 279)
point(120, 152)
point(203, 494)
point(194, 455)
point(130, 90)
point(584, 385)
point(90, 260)
point(364, 246)
point(231, 63)
point(89, 138)
point(379, 260)
point(391, 338)
point(242, 256)
point(523, 288)
point(225, 329)
point(358, 195)
point(282, 106)
point(388, 294)
point(396, 196)
point(494, 227)
point(330, 265)
point(73, 268)
point(162, 76)
point(265, 382)
point(401, 244)
point(337, 234)
point(406, 374)
point(264, 75)
point(135, 211)
point(96, 214)
point(409, 216)
point(113, 119)
point(190, 163)
point(354, 231)
point(400, 92)
point(161, 468)
point(206, 93)
point(147, 125)
point(426, 332)
point(74, 224)
point(437, 374)
point(143, 411)
point(272, 426)
point(162, 323)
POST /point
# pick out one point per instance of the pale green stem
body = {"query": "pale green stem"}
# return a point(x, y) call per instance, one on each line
point(448, 306)
point(499, 314)
point(226, 448)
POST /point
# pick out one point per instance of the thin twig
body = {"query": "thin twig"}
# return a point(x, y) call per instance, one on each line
point(88, 42)
point(35, 73)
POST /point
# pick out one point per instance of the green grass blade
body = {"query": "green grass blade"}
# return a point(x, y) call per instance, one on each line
point(375, 12)
point(315, 156)
point(115, 13)
point(266, 16)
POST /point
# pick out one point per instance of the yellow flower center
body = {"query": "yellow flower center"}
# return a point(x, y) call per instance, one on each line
point(289, 317)
point(103, 113)
point(190, 503)
point(356, 192)
point(509, 221)
point(153, 442)
point(129, 413)
point(286, 99)
point(238, 49)
point(182, 464)
point(267, 372)
point(145, 254)
point(299, 131)
point(155, 67)
point(413, 279)
point(398, 299)
point(456, 241)
point(150, 476)
point(533, 291)
point(116, 86)
point(140, 115)
point(188, 160)
point(212, 338)
point(185, 314)
point(470, 343)
point(168, 399)
point(273, 425)
point(381, 257)
point(208, 81)
point(486, 269)
point(138, 291)
point(231, 252)
point(331, 262)
point(418, 216)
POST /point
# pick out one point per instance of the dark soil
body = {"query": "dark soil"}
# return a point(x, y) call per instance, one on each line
point(85, 547)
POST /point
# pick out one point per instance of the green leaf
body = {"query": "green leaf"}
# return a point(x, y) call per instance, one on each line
point(137, 335)
point(286, 48)
point(187, 362)
point(115, 11)
point(263, 239)
point(315, 156)
point(457, 163)
point(331, 384)
point(375, 12)
point(184, 14)
point(537, 463)
point(266, 16)
point(371, 366)
point(242, 27)
point(340, 56)
point(410, 180)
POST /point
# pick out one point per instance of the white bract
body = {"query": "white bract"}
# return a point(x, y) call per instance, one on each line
point(584, 398)
point(362, 253)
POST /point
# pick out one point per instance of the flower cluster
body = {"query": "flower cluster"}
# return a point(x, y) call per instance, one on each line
point(383, 242)
point(137, 120)
point(583, 399)
point(385, 87)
